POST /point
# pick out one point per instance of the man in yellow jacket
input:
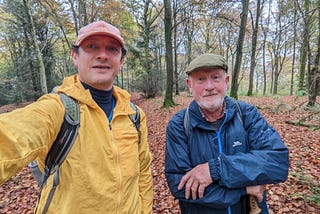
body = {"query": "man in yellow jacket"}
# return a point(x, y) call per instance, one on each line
point(108, 167)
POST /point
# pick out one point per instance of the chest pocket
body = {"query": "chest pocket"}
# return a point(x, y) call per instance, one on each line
point(236, 137)
point(236, 140)
point(127, 141)
point(204, 144)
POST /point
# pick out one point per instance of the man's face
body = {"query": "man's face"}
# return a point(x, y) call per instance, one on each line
point(208, 87)
point(98, 61)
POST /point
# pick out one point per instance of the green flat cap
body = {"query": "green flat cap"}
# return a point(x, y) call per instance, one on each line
point(207, 61)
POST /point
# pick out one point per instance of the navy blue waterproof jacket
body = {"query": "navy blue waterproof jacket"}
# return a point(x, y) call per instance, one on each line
point(239, 155)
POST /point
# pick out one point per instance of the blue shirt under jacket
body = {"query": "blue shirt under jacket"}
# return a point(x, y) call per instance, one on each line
point(245, 151)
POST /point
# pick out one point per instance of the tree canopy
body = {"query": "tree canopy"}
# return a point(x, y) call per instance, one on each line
point(276, 51)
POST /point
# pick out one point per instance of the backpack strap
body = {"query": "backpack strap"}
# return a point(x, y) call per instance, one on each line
point(186, 123)
point(239, 113)
point(62, 145)
point(66, 137)
point(135, 119)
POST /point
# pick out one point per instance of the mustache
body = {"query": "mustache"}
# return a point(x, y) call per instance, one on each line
point(209, 94)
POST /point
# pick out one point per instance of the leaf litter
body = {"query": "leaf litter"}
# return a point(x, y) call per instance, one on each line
point(299, 194)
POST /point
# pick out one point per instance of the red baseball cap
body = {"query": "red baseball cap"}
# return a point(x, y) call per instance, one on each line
point(99, 28)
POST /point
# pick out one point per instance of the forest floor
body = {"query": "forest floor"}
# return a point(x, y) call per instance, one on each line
point(299, 194)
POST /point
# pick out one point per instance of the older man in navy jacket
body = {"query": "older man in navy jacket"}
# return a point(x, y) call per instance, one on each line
point(220, 151)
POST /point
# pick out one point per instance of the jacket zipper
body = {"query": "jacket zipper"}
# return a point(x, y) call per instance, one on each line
point(117, 158)
point(120, 180)
point(116, 155)
point(220, 146)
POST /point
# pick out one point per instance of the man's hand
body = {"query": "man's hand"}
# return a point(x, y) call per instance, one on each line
point(196, 180)
point(256, 191)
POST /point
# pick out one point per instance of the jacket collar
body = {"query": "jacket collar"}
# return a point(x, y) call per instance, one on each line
point(73, 87)
point(196, 119)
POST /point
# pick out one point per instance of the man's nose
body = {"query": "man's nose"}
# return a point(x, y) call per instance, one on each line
point(210, 84)
point(103, 53)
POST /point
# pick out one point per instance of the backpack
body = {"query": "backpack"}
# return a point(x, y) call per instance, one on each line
point(250, 202)
point(64, 142)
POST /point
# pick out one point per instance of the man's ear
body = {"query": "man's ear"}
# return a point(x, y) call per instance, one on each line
point(227, 79)
point(122, 61)
point(188, 83)
point(74, 58)
point(227, 82)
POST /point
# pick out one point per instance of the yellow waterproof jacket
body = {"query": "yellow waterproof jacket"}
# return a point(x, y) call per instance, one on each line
point(107, 169)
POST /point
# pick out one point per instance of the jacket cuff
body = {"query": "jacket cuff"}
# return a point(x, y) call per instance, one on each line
point(214, 169)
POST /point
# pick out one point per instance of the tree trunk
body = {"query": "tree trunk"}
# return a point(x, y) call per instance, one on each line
point(175, 45)
point(294, 47)
point(304, 48)
point(264, 28)
point(314, 77)
point(43, 79)
point(237, 66)
point(82, 11)
point(254, 47)
point(168, 100)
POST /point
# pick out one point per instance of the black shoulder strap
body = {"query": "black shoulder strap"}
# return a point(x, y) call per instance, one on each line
point(62, 145)
point(135, 118)
point(67, 135)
